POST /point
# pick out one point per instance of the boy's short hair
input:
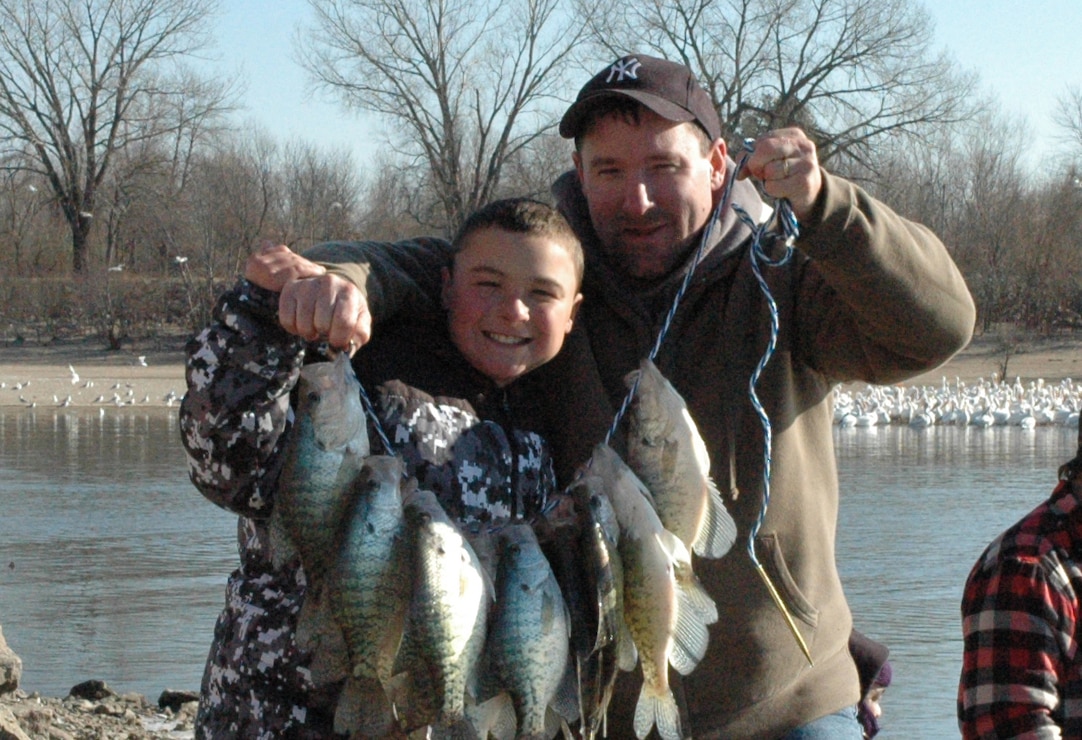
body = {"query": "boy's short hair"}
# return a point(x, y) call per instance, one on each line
point(524, 216)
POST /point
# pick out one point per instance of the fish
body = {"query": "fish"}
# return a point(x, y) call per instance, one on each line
point(665, 450)
point(444, 634)
point(369, 594)
point(666, 609)
point(528, 643)
point(323, 454)
point(590, 565)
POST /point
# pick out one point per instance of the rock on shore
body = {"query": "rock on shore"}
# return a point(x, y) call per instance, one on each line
point(91, 710)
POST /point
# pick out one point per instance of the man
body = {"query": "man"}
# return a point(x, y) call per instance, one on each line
point(1021, 671)
point(866, 296)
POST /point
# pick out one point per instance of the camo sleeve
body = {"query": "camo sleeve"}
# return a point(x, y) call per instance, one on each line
point(239, 370)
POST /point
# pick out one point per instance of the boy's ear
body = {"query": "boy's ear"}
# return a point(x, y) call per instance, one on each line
point(574, 312)
point(445, 288)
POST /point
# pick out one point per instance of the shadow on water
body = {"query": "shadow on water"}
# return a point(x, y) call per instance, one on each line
point(118, 565)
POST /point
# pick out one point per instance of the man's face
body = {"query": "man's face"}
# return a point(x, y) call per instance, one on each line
point(650, 189)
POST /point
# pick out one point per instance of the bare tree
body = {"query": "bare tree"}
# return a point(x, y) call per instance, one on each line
point(995, 225)
point(850, 72)
point(1068, 116)
point(81, 80)
point(320, 192)
point(465, 83)
point(23, 217)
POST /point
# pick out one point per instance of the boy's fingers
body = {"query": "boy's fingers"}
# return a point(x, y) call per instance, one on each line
point(325, 307)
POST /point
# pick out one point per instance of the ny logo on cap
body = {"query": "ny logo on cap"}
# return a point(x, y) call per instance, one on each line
point(624, 69)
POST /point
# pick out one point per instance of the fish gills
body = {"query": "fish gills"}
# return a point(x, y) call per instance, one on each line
point(667, 453)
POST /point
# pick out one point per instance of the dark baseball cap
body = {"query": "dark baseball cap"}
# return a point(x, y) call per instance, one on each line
point(666, 88)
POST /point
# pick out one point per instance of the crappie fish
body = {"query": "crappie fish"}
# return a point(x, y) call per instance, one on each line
point(369, 590)
point(667, 453)
point(323, 454)
point(608, 646)
point(666, 609)
point(528, 643)
point(446, 622)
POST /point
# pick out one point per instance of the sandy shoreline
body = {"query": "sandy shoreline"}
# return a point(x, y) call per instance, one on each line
point(40, 375)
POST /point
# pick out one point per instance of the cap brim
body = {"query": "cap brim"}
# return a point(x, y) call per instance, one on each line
point(571, 123)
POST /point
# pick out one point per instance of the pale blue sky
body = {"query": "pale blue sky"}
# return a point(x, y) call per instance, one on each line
point(1026, 58)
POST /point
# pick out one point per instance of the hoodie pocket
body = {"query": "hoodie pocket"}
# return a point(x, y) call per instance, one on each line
point(776, 568)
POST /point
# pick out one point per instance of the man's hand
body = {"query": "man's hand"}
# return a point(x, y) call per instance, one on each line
point(274, 265)
point(786, 163)
point(312, 304)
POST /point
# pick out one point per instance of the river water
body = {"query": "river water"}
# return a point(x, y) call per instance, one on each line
point(112, 566)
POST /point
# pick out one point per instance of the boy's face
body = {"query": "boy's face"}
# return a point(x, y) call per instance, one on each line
point(510, 301)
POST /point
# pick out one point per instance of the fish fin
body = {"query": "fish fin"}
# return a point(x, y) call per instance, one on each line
point(494, 718)
point(718, 531)
point(657, 708)
point(553, 723)
point(318, 633)
point(692, 596)
point(694, 611)
point(566, 700)
point(282, 549)
point(363, 709)
point(627, 655)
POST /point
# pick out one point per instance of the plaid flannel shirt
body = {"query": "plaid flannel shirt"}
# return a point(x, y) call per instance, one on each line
point(1021, 671)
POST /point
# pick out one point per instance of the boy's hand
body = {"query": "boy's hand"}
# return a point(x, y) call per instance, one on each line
point(312, 304)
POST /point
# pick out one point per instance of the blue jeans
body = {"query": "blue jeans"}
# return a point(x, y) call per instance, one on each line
point(841, 725)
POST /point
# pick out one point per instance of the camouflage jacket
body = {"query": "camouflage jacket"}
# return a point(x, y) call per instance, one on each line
point(458, 440)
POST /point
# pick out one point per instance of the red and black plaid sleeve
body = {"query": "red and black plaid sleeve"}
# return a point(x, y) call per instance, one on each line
point(1019, 618)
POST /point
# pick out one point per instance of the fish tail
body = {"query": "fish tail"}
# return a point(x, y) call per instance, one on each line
point(363, 709)
point(657, 707)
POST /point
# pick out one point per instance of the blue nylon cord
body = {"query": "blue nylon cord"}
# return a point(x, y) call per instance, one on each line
point(758, 257)
point(371, 411)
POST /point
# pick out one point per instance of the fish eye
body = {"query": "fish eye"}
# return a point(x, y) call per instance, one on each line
point(313, 396)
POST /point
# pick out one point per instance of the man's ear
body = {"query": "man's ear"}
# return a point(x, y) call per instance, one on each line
point(577, 159)
point(718, 159)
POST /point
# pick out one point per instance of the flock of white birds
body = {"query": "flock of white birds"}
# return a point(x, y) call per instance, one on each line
point(984, 403)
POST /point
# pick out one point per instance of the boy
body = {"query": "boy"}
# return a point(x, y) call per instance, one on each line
point(453, 392)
